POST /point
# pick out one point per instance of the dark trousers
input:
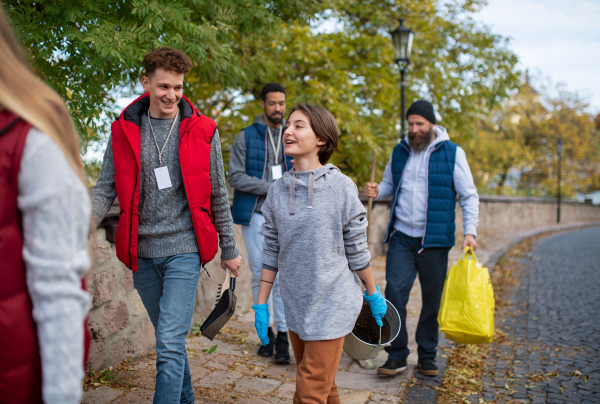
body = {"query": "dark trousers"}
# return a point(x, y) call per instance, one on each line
point(403, 264)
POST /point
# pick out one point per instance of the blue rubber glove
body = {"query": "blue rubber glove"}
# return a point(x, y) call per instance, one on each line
point(261, 321)
point(378, 305)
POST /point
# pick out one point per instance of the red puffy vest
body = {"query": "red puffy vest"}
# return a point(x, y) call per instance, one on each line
point(20, 368)
point(195, 134)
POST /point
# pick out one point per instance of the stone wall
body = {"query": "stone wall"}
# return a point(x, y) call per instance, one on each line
point(496, 213)
point(118, 322)
point(121, 328)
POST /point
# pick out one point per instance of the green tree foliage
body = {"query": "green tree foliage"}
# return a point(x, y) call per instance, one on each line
point(518, 142)
point(91, 52)
point(458, 64)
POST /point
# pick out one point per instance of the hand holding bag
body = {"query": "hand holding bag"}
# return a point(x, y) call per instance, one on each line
point(467, 308)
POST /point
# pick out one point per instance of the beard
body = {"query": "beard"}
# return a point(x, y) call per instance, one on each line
point(274, 118)
point(418, 141)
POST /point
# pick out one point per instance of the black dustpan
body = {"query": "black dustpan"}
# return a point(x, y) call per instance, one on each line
point(223, 310)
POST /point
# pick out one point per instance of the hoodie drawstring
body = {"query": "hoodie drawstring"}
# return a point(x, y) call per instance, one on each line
point(311, 189)
point(293, 194)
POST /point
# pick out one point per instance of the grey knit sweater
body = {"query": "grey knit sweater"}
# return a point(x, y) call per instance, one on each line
point(315, 236)
point(55, 209)
point(165, 225)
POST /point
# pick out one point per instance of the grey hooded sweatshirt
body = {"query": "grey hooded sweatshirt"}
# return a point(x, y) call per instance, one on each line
point(315, 236)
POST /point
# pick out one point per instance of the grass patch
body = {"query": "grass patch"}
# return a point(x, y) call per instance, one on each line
point(105, 377)
point(196, 328)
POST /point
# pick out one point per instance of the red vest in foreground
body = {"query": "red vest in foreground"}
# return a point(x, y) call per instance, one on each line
point(195, 134)
point(20, 367)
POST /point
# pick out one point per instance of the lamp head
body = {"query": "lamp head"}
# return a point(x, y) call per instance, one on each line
point(559, 147)
point(402, 38)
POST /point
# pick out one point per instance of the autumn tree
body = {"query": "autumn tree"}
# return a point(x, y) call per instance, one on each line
point(458, 64)
point(91, 52)
point(515, 148)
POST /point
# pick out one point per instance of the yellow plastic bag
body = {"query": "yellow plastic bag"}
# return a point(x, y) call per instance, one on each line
point(467, 307)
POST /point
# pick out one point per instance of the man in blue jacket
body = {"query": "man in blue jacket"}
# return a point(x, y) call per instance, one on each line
point(256, 160)
point(424, 175)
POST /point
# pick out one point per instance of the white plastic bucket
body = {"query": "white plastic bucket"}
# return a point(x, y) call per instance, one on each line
point(361, 343)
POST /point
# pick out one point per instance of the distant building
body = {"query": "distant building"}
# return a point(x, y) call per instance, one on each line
point(594, 197)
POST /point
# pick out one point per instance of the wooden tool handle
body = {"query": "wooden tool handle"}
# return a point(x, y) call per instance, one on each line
point(370, 206)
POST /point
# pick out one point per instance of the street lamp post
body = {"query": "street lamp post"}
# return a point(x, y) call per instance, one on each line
point(559, 152)
point(402, 38)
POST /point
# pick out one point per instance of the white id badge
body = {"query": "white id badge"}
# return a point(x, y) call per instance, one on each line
point(162, 177)
point(276, 172)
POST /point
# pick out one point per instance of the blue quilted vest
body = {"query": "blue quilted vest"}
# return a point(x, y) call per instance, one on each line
point(441, 195)
point(256, 164)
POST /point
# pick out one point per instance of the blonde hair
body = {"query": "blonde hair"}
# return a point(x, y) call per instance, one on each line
point(26, 96)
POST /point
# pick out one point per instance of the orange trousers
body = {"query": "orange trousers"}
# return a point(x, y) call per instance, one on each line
point(317, 364)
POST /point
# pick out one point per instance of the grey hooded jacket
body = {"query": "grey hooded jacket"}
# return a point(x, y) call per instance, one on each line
point(315, 236)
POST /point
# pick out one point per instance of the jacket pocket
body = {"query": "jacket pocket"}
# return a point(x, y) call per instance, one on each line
point(209, 216)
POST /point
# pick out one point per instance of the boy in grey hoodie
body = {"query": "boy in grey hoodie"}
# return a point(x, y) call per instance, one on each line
point(315, 237)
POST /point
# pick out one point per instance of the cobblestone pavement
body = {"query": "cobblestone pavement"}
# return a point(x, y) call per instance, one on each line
point(552, 350)
point(228, 370)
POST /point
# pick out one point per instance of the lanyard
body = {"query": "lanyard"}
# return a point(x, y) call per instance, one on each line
point(160, 151)
point(275, 149)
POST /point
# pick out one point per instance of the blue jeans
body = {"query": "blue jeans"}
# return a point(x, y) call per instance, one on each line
point(255, 242)
point(167, 287)
point(402, 266)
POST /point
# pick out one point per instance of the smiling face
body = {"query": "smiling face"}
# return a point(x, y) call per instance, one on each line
point(299, 139)
point(166, 90)
point(274, 107)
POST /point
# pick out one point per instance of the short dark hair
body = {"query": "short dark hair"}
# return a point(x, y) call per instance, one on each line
point(322, 122)
point(168, 59)
point(271, 87)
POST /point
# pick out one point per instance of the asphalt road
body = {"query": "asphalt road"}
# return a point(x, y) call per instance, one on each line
point(553, 349)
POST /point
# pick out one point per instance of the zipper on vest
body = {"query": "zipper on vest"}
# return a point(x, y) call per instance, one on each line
point(209, 216)
point(263, 174)
point(395, 199)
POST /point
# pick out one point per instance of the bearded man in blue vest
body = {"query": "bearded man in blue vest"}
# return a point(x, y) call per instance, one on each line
point(424, 175)
point(256, 160)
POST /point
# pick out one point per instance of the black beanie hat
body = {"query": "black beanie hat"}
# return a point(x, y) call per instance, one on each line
point(422, 108)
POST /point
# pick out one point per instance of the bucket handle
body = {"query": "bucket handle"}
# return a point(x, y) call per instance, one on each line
point(375, 348)
point(378, 346)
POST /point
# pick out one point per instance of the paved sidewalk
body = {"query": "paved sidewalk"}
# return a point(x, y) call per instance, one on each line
point(228, 370)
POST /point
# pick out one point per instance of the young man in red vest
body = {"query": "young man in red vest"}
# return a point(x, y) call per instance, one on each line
point(164, 163)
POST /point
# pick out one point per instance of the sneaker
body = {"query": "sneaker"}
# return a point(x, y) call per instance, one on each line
point(392, 367)
point(427, 367)
point(267, 350)
point(282, 348)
